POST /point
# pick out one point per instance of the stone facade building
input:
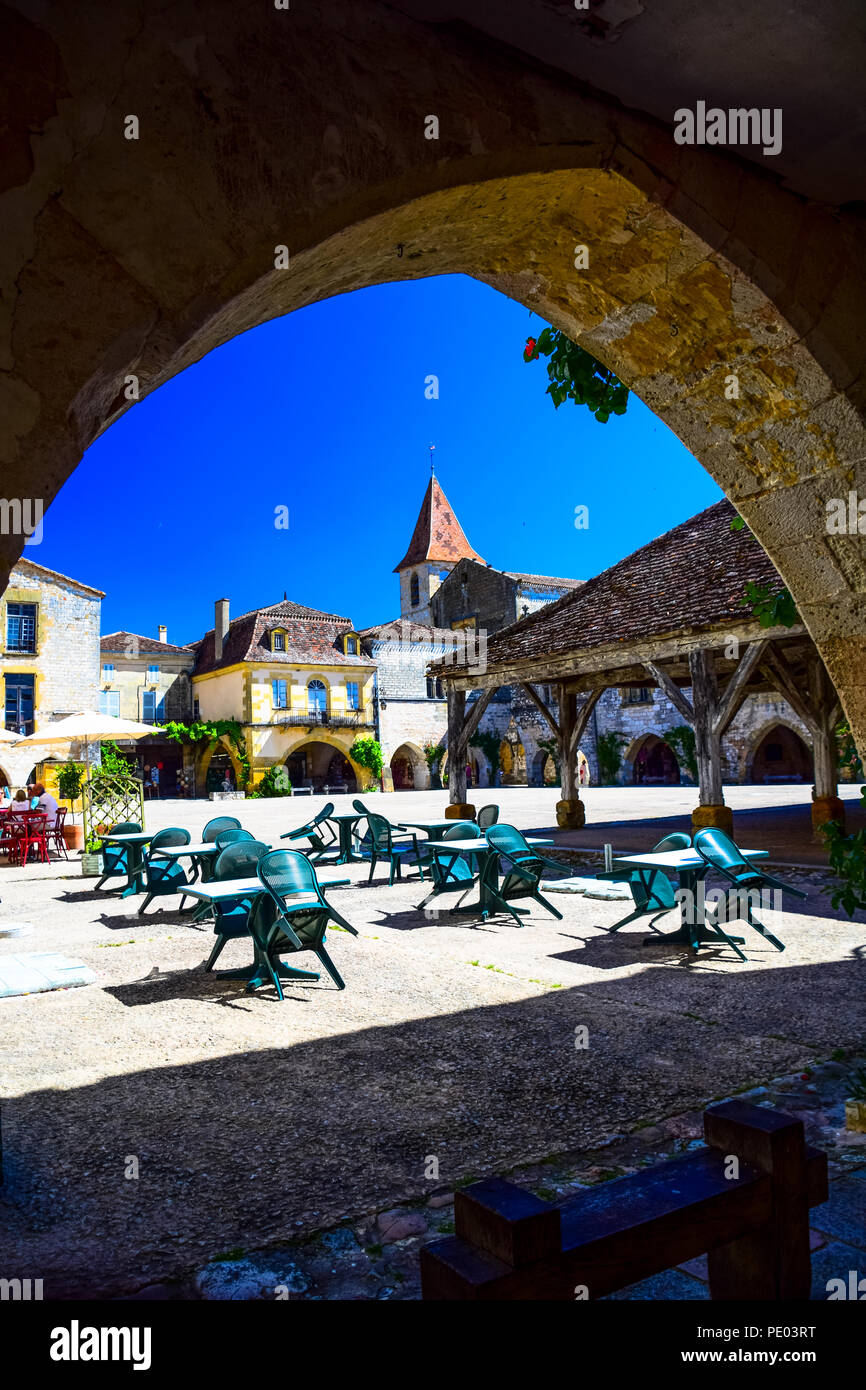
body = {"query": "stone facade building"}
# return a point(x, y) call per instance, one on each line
point(449, 593)
point(450, 600)
point(50, 659)
point(297, 681)
point(150, 681)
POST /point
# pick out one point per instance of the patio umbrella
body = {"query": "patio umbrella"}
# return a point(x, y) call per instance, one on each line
point(8, 736)
point(87, 728)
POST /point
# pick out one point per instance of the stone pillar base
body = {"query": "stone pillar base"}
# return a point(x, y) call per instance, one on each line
point(824, 809)
point(570, 815)
point(721, 817)
point(461, 810)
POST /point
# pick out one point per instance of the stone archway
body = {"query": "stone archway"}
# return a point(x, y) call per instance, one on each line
point(653, 762)
point(409, 768)
point(779, 754)
point(227, 758)
point(234, 205)
point(322, 760)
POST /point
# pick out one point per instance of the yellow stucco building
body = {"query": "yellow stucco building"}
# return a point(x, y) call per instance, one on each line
point(295, 678)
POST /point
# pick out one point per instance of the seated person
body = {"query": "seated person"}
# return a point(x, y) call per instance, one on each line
point(44, 801)
point(21, 795)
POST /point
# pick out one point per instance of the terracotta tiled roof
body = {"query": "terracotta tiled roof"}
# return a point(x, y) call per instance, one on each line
point(544, 581)
point(438, 535)
point(312, 639)
point(130, 643)
point(689, 580)
point(404, 630)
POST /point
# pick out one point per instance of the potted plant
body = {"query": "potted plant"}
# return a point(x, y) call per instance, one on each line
point(91, 859)
point(70, 780)
point(855, 1106)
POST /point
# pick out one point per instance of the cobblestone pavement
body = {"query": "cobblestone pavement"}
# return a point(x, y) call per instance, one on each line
point(377, 1257)
point(289, 1146)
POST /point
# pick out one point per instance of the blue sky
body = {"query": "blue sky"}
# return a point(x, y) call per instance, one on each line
point(324, 412)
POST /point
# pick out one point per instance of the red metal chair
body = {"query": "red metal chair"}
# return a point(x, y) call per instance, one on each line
point(34, 832)
point(55, 832)
point(9, 836)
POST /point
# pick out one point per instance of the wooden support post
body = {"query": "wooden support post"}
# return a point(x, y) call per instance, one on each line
point(820, 710)
point(570, 811)
point(826, 711)
point(773, 1261)
point(702, 713)
point(461, 727)
point(457, 808)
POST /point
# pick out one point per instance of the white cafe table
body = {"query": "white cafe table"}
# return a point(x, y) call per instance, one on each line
point(692, 869)
point(487, 876)
point(230, 888)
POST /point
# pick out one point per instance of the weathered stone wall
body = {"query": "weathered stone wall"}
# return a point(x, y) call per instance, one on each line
point(476, 591)
point(67, 661)
point(407, 715)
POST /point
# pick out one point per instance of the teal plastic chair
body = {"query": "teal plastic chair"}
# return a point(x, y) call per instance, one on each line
point(164, 876)
point(523, 873)
point(213, 828)
point(651, 889)
point(452, 872)
point(385, 845)
point(400, 835)
point(487, 816)
point(114, 857)
point(319, 831)
point(232, 837)
point(290, 918)
point(720, 853)
point(231, 916)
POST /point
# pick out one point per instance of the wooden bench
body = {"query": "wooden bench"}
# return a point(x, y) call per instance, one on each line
point(744, 1201)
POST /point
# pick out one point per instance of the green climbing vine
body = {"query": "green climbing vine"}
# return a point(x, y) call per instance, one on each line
point(575, 375)
point(609, 747)
point(847, 855)
point(211, 731)
point(490, 745)
point(366, 751)
point(682, 740)
point(772, 608)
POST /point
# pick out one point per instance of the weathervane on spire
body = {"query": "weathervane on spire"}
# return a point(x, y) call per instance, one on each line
point(432, 462)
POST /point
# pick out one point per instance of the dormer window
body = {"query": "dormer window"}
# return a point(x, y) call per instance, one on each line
point(278, 640)
point(350, 643)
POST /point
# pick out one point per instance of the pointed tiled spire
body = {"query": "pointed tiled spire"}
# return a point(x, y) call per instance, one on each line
point(438, 535)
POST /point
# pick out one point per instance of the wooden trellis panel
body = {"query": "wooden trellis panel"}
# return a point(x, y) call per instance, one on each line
point(109, 799)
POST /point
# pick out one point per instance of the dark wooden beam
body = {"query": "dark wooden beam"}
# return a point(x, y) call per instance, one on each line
point(735, 691)
point(673, 692)
point(540, 706)
point(473, 718)
point(582, 716)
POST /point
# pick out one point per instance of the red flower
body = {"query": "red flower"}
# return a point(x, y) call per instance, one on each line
point(529, 349)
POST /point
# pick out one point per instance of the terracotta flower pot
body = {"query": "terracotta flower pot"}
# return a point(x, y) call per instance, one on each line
point(73, 836)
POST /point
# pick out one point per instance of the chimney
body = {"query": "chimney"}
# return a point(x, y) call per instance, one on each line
point(220, 627)
point(162, 632)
